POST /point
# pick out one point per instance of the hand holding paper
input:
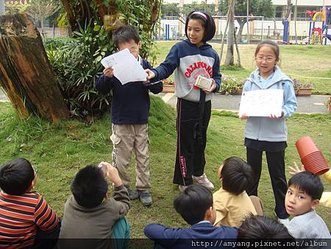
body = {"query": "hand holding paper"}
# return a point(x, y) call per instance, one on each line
point(126, 67)
point(262, 103)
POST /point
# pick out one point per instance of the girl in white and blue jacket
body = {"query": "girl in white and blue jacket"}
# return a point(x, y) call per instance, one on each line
point(269, 134)
point(189, 59)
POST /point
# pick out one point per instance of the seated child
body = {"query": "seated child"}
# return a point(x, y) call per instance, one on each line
point(256, 227)
point(231, 202)
point(326, 195)
point(26, 220)
point(89, 214)
point(303, 194)
point(195, 205)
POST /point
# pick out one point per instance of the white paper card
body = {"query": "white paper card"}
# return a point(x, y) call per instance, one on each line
point(261, 103)
point(126, 67)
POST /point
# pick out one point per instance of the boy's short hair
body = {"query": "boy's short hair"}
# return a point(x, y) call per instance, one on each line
point(262, 227)
point(207, 22)
point(309, 183)
point(124, 34)
point(193, 203)
point(16, 176)
point(89, 186)
point(236, 175)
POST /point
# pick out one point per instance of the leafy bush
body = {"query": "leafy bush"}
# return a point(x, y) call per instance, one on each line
point(231, 85)
point(76, 63)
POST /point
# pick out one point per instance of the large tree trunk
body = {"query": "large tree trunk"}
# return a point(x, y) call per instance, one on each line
point(25, 72)
point(229, 59)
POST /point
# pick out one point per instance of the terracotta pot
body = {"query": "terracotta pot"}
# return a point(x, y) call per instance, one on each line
point(304, 92)
point(311, 157)
point(315, 163)
point(305, 146)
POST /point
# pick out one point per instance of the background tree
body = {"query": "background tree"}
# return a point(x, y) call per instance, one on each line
point(39, 10)
point(25, 72)
point(286, 21)
point(141, 13)
point(229, 59)
point(256, 8)
point(170, 9)
point(12, 8)
point(203, 6)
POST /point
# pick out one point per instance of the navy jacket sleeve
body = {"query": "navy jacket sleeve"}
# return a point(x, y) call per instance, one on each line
point(104, 84)
point(162, 235)
point(166, 68)
point(216, 73)
point(156, 87)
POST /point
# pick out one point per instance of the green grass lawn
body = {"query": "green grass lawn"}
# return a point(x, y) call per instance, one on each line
point(307, 63)
point(59, 150)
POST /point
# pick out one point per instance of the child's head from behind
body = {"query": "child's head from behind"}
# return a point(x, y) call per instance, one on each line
point(199, 27)
point(89, 186)
point(303, 193)
point(17, 176)
point(257, 227)
point(127, 37)
point(266, 56)
point(235, 174)
point(195, 204)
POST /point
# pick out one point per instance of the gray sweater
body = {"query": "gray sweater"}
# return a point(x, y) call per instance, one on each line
point(80, 223)
point(308, 226)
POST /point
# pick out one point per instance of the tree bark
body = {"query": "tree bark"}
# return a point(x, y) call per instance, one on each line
point(229, 59)
point(25, 72)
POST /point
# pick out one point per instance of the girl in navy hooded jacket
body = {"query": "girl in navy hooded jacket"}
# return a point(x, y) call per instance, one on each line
point(189, 59)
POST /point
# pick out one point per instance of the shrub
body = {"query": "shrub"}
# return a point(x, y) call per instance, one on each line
point(77, 63)
point(231, 85)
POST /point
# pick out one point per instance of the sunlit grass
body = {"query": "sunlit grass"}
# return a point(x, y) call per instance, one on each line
point(59, 150)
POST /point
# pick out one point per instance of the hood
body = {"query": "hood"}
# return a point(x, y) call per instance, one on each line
point(202, 47)
point(277, 76)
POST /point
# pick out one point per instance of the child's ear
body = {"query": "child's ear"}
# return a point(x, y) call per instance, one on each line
point(139, 44)
point(219, 171)
point(314, 203)
point(33, 183)
point(210, 215)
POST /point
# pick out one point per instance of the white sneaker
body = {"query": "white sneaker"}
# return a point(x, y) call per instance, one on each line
point(203, 180)
point(285, 222)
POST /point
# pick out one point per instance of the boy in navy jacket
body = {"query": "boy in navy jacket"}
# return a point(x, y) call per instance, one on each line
point(195, 205)
point(129, 111)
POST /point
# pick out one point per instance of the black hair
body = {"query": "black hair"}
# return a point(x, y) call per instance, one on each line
point(236, 175)
point(273, 45)
point(89, 186)
point(262, 227)
point(309, 183)
point(207, 22)
point(16, 176)
point(124, 34)
point(193, 203)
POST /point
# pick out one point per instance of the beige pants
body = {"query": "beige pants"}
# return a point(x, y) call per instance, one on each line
point(128, 138)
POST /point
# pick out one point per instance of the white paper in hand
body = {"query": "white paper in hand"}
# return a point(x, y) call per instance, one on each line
point(126, 67)
point(261, 103)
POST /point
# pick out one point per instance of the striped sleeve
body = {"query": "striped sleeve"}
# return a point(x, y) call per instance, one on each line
point(45, 217)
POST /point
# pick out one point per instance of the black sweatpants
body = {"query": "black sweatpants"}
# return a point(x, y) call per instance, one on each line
point(276, 166)
point(192, 124)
